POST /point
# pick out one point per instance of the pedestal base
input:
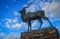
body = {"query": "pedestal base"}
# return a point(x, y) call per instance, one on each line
point(45, 33)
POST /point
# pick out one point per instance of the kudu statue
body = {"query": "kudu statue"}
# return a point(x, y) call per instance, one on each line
point(27, 17)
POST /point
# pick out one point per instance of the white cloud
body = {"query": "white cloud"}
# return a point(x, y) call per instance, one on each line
point(14, 24)
point(13, 36)
point(9, 36)
point(49, 6)
point(29, 1)
point(9, 20)
point(16, 13)
point(34, 23)
point(10, 23)
point(31, 8)
point(17, 25)
point(57, 19)
point(2, 34)
point(52, 7)
point(15, 20)
point(45, 24)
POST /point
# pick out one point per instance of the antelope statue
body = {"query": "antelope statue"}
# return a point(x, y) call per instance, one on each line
point(27, 17)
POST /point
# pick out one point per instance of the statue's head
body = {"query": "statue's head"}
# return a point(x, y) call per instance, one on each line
point(23, 11)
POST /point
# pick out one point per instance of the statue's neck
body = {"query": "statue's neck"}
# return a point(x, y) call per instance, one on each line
point(23, 14)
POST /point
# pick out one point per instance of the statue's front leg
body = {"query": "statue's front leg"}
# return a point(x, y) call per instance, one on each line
point(29, 26)
point(40, 20)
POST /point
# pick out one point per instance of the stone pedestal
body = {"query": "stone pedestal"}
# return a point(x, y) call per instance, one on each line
point(45, 33)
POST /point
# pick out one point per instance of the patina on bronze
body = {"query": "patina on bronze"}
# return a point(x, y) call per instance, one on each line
point(27, 17)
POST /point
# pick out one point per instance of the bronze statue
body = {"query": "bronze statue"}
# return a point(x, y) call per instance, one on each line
point(27, 17)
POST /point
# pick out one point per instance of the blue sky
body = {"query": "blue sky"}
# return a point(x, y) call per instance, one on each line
point(11, 24)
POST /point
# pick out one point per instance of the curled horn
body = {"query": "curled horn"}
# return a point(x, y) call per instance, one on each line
point(28, 5)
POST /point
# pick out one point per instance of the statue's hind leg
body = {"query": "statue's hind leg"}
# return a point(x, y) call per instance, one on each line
point(48, 20)
point(40, 20)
